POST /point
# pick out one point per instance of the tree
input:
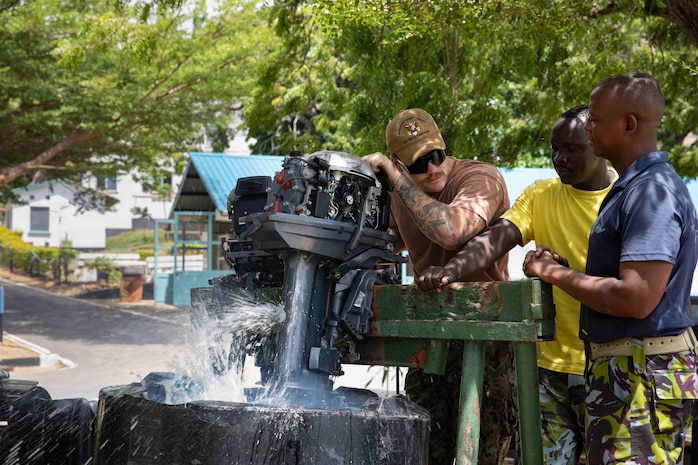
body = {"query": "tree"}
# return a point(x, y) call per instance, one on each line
point(298, 101)
point(101, 87)
point(495, 74)
point(683, 14)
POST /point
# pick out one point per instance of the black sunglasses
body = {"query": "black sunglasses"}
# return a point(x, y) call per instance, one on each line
point(422, 164)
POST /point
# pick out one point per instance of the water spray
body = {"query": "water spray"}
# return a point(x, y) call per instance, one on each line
point(318, 230)
point(307, 247)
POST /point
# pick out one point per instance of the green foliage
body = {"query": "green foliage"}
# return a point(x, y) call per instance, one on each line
point(144, 253)
point(104, 86)
point(105, 267)
point(66, 249)
point(37, 260)
point(298, 99)
point(86, 199)
point(684, 159)
point(134, 241)
point(10, 238)
point(109, 85)
point(494, 74)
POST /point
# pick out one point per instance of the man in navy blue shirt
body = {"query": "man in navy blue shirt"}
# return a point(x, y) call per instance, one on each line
point(635, 314)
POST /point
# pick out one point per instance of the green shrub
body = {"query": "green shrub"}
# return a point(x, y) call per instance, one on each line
point(30, 258)
point(145, 253)
point(106, 269)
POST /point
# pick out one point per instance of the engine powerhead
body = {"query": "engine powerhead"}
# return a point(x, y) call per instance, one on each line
point(335, 186)
point(326, 185)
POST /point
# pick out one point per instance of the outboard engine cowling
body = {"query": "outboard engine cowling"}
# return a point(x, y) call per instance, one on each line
point(319, 229)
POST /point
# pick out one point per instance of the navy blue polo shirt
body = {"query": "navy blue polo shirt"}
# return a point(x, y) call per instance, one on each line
point(647, 215)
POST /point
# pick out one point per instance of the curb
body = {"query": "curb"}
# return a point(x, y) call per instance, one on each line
point(43, 359)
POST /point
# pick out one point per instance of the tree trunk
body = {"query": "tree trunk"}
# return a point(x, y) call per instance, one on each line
point(12, 172)
point(684, 14)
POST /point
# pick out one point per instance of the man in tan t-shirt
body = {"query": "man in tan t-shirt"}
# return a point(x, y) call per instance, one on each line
point(438, 204)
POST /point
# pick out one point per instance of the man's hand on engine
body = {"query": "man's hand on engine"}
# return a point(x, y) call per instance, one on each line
point(377, 161)
point(434, 278)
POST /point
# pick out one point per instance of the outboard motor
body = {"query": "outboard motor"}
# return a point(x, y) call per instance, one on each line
point(313, 237)
point(318, 229)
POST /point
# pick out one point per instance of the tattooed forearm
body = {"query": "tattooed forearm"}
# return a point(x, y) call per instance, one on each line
point(409, 193)
point(434, 218)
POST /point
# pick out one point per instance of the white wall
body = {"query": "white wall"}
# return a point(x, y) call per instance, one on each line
point(130, 195)
point(84, 230)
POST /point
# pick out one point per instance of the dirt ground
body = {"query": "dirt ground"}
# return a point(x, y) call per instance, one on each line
point(10, 350)
point(69, 289)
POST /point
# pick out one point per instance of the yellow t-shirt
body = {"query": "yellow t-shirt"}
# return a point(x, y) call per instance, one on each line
point(559, 216)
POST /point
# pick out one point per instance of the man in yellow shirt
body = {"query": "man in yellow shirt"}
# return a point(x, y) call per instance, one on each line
point(557, 213)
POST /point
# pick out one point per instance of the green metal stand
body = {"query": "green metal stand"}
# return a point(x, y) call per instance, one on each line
point(470, 396)
point(413, 329)
point(529, 410)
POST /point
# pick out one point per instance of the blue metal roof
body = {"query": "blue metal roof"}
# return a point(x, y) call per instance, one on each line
point(30, 187)
point(220, 172)
point(517, 179)
point(693, 190)
point(209, 178)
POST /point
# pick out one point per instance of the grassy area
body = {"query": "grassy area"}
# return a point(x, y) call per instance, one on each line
point(134, 240)
point(141, 241)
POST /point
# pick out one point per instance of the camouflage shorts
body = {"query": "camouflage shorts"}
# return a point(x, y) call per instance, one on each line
point(562, 416)
point(440, 394)
point(639, 408)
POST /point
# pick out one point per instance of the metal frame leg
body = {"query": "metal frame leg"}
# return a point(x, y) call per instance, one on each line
point(530, 428)
point(470, 400)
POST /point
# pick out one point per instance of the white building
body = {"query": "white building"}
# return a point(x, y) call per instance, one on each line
point(47, 213)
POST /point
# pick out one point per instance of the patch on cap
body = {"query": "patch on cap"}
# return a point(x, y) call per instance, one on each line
point(412, 134)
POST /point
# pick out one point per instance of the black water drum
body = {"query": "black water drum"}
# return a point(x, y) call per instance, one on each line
point(135, 430)
point(37, 430)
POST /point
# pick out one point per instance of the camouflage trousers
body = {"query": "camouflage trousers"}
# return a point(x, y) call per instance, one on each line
point(562, 416)
point(440, 395)
point(639, 408)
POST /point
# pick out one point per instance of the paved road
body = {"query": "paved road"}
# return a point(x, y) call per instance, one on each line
point(109, 346)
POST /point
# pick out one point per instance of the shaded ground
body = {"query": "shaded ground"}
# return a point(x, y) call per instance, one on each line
point(10, 350)
point(69, 289)
point(16, 356)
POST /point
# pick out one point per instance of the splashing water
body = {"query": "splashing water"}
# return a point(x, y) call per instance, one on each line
point(225, 329)
point(290, 424)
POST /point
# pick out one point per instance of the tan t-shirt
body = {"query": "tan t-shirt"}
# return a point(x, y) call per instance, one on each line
point(474, 188)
